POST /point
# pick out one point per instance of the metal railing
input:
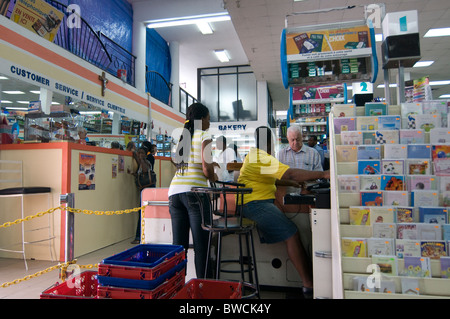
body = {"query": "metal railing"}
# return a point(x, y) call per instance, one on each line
point(122, 60)
point(158, 87)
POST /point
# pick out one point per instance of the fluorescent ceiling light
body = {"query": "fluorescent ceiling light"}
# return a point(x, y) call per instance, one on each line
point(16, 108)
point(421, 64)
point(393, 85)
point(3, 77)
point(204, 28)
point(173, 22)
point(90, 112)
point(222, 55)
point(35, 92)
point(378, 37)
point(445, 96)
point(13, 92)
point(445, 82)
point(439, 32)
point(6, 102)
point(23, 102)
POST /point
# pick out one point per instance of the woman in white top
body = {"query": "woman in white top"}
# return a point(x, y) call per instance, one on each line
point(195, 167)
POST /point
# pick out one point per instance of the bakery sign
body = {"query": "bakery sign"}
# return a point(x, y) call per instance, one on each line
point(38, 16)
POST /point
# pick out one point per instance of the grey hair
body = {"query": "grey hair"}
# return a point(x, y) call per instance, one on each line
point(294, 129)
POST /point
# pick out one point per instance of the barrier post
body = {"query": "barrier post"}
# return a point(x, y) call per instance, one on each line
point(68, 200)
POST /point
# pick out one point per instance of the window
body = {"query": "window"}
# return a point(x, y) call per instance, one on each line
point(229, 93)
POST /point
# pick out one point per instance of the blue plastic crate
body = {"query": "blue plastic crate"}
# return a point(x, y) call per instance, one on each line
point(145, 255)
point(141, 284)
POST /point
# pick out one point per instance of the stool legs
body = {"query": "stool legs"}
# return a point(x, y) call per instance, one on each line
point(248, 259)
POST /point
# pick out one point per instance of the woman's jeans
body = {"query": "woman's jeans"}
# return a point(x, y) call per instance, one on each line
point(185, 213)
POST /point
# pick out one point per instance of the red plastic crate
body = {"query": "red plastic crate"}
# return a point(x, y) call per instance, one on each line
point(82, 286)
point(163, 291)
point(210, 289)
point(141, 273)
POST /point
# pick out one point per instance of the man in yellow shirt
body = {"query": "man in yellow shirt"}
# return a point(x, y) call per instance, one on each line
point(261, 171)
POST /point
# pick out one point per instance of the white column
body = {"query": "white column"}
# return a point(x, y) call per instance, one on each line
point(46, 97)
point(139, 50)
point(174, 48)
point(115, 130)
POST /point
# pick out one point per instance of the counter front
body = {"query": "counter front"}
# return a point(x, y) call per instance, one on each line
point(99, 181)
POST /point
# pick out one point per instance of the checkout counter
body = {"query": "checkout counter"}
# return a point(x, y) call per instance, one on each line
point(98, 179)
point(274, 266)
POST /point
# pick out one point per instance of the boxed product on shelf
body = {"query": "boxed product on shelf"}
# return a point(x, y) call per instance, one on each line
point(380, 246)
point(354, 247)
point(81, 286)
point(375, 109)
point(388, 264)
point(417, 267)
point(392, 166)
point(440, 136)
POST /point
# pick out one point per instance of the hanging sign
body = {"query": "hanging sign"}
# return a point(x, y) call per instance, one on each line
point(38, 16)
point(317, 45)
point(318, 94)
point(362, 87)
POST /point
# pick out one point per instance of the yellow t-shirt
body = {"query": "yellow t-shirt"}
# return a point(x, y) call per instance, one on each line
point(259, 172)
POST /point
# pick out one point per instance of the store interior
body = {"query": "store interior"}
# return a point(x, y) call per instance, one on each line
point(251, 36)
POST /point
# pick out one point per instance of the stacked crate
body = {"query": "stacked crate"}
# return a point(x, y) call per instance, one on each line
point(143, 272)
point(79, 286)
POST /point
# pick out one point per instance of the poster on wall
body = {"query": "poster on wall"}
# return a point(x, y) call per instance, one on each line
point(121, 164)
point(86, 176)
point(114, 167)
point(38, 16)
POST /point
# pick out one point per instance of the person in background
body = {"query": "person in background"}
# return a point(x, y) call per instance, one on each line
point(226, 155)
point(261, 171)
point(237, 157)
point(144, 165)
point(193, 159)
point(131, 146)
point(115, 145)
point(151, 151)
point(297, 154)
point(307, 157)
point(312, 142)
point(82, 134)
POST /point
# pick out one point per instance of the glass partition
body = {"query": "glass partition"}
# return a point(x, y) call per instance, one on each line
point(229, 92)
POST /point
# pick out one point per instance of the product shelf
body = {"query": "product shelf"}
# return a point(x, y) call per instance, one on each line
point(348, 268)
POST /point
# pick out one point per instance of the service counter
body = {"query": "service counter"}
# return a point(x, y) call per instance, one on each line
point(274, 267)
point(98, 179)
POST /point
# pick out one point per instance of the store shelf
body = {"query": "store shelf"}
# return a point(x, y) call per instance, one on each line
point(351, 267)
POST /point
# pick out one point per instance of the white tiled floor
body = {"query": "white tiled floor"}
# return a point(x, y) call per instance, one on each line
point(12, 269)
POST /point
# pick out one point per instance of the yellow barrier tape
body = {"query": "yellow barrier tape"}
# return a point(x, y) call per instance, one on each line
point(63, 267)
point(73, 210)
